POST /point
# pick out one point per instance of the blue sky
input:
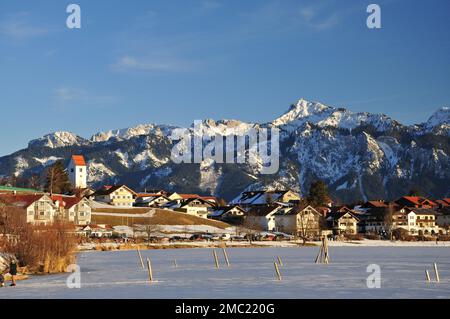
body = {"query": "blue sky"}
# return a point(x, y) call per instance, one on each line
point(173, 62)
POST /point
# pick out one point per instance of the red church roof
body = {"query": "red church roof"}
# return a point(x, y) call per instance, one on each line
point(78, 160)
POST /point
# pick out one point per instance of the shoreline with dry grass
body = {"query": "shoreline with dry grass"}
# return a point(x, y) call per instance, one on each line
point(255, 244)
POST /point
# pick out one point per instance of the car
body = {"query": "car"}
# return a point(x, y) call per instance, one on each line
point(176, 238)
point(200, 237)
point(207, 237)
point(196, 237)
point(283, 236)
point(238, 238)
point(225, 237)
point(269, 237)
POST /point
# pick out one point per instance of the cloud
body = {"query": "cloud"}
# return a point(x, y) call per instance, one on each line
point(279, 16)
point(313, 18)
point(69, 96)
point(19, 27)
point(127, 62)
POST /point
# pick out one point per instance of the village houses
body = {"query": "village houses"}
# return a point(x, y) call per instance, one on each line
point(232, 213)
point(117, 195)
point(150, 200)
point(193, 206)
point(261, 217)
point(268, 210)
point(343, 221)
point(37, 209)
point(255, 198)
point(303, 221)
point(73, 209)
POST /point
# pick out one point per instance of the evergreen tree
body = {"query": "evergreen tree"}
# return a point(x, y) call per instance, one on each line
point(318, 193)
point(57, 181)
point(415, 192)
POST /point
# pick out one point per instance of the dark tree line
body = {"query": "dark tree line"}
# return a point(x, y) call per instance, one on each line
point(53, 180)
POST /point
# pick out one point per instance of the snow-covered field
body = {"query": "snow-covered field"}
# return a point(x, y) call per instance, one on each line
point(118, 274)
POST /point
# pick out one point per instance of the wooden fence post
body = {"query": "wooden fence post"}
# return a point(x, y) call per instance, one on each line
point(226, 257)
point(280, 262)
point(150, 272)
point(436, 272)
point(216, 261)
point(140, 258)
point(277, 271)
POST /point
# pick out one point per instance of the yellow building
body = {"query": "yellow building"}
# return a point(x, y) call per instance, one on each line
point(119, 195)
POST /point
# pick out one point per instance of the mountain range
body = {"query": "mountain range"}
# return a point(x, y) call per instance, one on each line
point(359, 155)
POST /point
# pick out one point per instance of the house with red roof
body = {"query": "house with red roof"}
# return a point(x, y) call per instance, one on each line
point(37, 209)
point(415, 201)
point(78, 171)
point(442, 203)
point(73, 209)
point(150, 200)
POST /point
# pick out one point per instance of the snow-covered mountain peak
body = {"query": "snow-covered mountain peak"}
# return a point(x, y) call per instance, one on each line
point(57, 139)
point(441, 116)
point(223, 127)
point(438, 123)
point(328, 116)
point(302, 110)
point(130, 132)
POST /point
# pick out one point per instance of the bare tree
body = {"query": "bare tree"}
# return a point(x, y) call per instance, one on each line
point(252, 226)
point(308, 222)
point(149, 230)
point(34, 182)
point(186, 231)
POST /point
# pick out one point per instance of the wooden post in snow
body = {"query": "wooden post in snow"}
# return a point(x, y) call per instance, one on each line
point(323, 256)
point(140, 258)
point(150, 272)
point(226, 257)
point(319, 255)
point(436, 272)
point(326, 256)
point(280, 262)
point(216, 261)
point(277, 271)
point(427, 274)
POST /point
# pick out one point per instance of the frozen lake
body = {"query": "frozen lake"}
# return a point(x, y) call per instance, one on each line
point(118, 274)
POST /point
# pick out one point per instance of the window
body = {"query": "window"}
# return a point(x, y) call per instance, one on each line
point(81, 170)
point(71, 170)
